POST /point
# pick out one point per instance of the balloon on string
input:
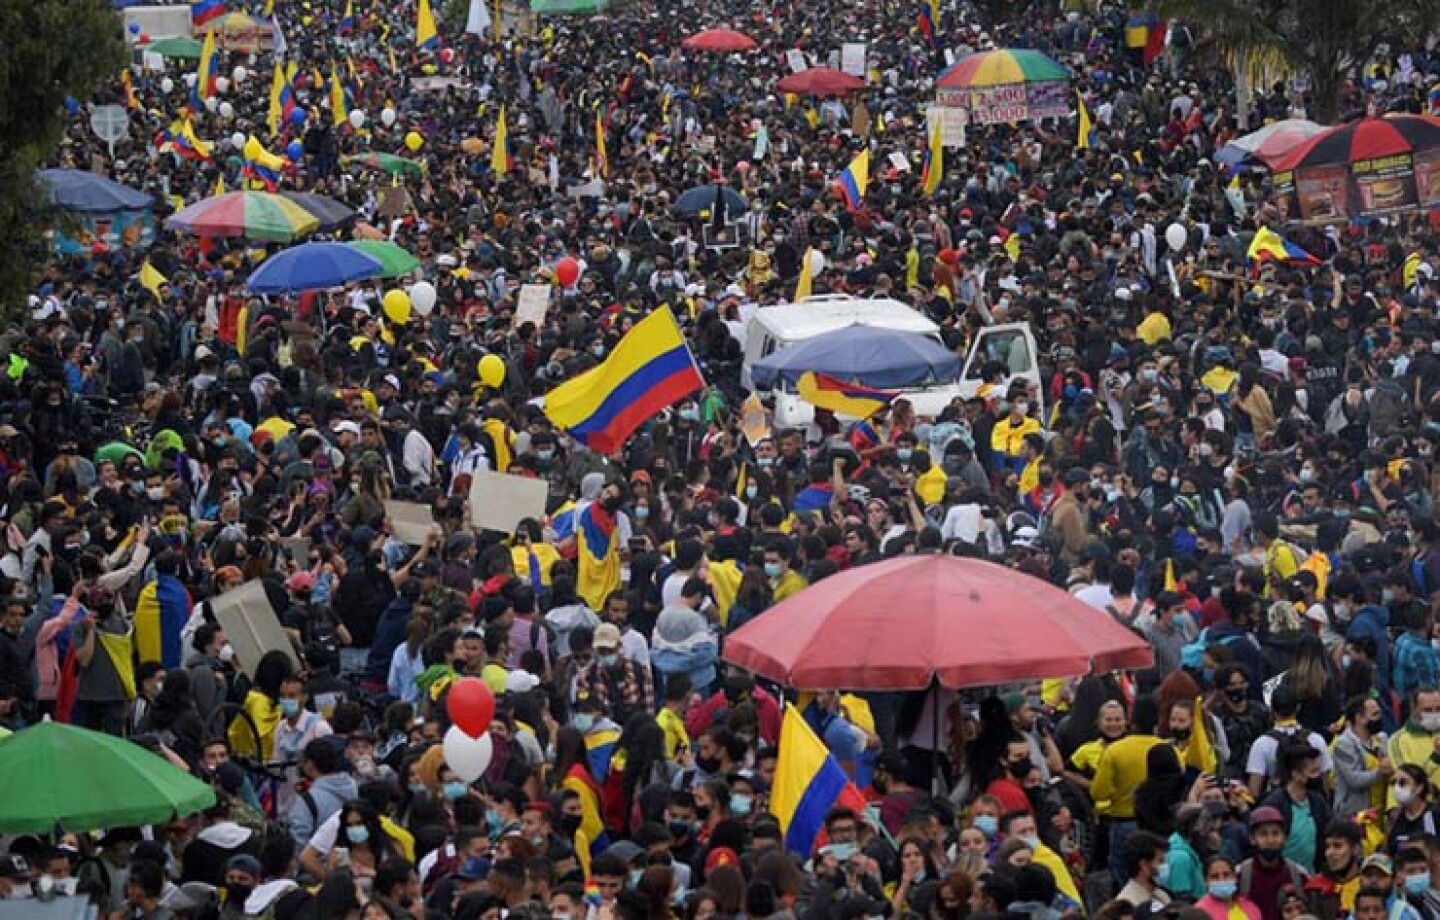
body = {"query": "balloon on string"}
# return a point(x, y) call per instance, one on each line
point(397, 309)
point(227, 111)
point(222, 85)
point(567, 271)
point(817, 262)
point(297, 117)
point(1175, 236)
point(239, 73)
point(189, 79)
point(212, 103)
point(447, 54)
point(295, 150)
point(469, 701)
point(491, 370)
point(388, 116)
point(167, 85)
point(144, 38)
point(237, 140)
point(422, 297)
point(468, 757)
point(357, 119)
point(134, 28)
point(414, 141)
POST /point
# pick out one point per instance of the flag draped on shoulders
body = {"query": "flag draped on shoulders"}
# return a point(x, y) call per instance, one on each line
point(598, 558)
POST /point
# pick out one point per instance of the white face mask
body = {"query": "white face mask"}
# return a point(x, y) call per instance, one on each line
point(227, 653)
point(1403, 794)
point(1430, 721)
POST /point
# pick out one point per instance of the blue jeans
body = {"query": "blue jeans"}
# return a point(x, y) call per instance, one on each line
point(1120, 832)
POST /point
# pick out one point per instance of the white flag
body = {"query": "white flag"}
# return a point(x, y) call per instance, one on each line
point(762, 142)
point(281, 46)
point(478, 22)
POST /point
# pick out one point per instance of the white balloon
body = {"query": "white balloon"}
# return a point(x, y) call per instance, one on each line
point(189, 79)
point(468, 757)
point(817, 262)
point(1176, 235)
point(227, 110)
point(357, 119)
point(212, 103)
point(222, 85)
point(167, 85)
point(239, 74)
point(237, 140)
point(422, 297)
point(388, 116)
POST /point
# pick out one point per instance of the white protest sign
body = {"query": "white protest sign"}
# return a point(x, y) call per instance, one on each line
point(897, 160)
point(795, 58)
point(499, 501)
point(251, 625)
point(410, 522)
point(953, 122)
point(852, 59)
point(533, 304)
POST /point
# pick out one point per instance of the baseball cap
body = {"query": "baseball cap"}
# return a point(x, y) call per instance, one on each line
point(300, 582)
point(1378, 861)
point(13, 865)
point(607, 636)
point(474, 869)
point(347, 425)
point(1266, 815)
point(520, 681)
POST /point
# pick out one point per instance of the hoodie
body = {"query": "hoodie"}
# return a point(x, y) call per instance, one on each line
point(328, 793)
point(565, 620)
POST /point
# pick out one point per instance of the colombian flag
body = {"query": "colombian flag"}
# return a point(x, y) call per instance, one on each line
point(347, 21)
point(206, 70)
point(826, 392)
point(1269, 246)
point(1085, 129)
point(934, 166)
point(425, 35)
point(808, 783)
point(339, 114)
point(651, 368)
point(500, 150)
point(282, 99)
point(203, 11)
point(181, 140)
point(927, 17)
point(597, 555)
point(854, 179)
point(602, 158)
point(262, 165)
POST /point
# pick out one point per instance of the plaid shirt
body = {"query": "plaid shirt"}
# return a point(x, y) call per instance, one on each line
point(621, 691)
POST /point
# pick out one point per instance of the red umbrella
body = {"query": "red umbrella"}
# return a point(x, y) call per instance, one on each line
point(820, 81)
point(719, 40)
point(904, 623)
point(1365, 139)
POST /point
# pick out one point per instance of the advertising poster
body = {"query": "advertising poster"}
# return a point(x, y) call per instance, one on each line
point(1384, 185)
point(1320, 192)
point(110, 231)
point(1427, 178)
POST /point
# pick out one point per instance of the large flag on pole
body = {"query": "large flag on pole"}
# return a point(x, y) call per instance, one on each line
point(425, 35)
point(808, 783)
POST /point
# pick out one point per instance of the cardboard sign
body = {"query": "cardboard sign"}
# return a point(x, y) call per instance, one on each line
point(852, 59)
point(897, 160)
point(410, 522)
point(952, 123)
point(795, 59)
point(754, 420)
point(533, 304)
point(499, 501)
point(251, 626)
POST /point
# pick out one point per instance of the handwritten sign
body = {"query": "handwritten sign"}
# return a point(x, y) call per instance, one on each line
point(499, 501)
point(533, 304)
point(410, 522)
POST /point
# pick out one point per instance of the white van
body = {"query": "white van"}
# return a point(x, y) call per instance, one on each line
point(771, 328)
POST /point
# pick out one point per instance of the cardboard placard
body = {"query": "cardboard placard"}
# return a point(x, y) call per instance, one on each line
point(533, 304)
point(952, 122)
point(298, 548)
point(499, 501)
point(795, 59)
point(852, 59)
point(410, 522)
point(251, 626)
point(897, 160)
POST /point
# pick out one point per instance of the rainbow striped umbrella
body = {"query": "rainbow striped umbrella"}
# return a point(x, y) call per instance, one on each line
point(252, 215)
point(1001, 68)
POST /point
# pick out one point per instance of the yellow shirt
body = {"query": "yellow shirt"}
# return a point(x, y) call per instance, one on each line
point(1219, 380)
point(1120, 772)
point(1318, 563)
point(1007, 436)
point(494, 676)
point(1029, 477)
point(1153, 328)
point(675, 733)
point(931, 485)
point(266, 716)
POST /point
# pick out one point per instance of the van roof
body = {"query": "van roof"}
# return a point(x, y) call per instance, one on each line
point(814, 315)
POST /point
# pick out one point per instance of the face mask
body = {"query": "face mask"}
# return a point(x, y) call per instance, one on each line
point(237, 894)
point(988, 825)
point(570, 824)
point(634, 878)
point(417, 788)
point(289, 707)
point(1021, 768)
point(1417, 884)
point(773, 569)
point(904, 453)
point(598, 351)
point(1374, 726)
point(453, 790)
point(1021, 408)
point(357, 833)
point(1149, 374)
point(1236, 696)
point(227, 653)
point(690, 415)
point(155, 493)
point(708, 765)
point(679, 830)
point(1269, 854)
point(1404, 795)
point(1387, 597)
point(740, 804)
point(1222, 891)
point(842, 851)
point(1162, 875)
point(1430, 721)
point(1030, 840)
point(583, 722)
point(764, 462)
point(545, 455)
point(1180, 734)
point(1345, 662)
point(493, 820)
point(1306, 474)
point(609, 660)
point(751, 491)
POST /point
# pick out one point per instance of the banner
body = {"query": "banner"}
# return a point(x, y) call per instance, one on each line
point(1008, 103)
point(952, 122)
point(83, 233)
point(1321, 192)
point(1385, 185)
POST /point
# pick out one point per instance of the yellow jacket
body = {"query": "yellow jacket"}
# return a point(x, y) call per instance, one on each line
point(266, 716)
point(790, 583)
point(545, 554)
point(1007, 437)
point(1044, 856)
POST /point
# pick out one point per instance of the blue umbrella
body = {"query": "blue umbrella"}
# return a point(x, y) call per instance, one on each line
point(312, 267)
point(875, 357)
point(702, 198)
point(78, 190)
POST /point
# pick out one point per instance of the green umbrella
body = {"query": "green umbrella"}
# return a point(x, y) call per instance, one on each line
point(394, 259)
point(563, 7)
point(387, 162)
point(180, 47)
point(82, 780)
point(115, 452)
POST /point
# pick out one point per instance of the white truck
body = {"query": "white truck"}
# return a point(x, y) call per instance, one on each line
point(157, 22)
point(770, 328)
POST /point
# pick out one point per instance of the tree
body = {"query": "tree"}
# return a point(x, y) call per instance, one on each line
point(1321, 39)
point(49, 49)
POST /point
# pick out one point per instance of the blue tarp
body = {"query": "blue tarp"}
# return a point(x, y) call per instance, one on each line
point(872, 356)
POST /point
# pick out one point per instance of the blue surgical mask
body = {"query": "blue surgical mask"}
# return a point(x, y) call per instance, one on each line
point(773, 569)
point(453, 790)
point(642, 512)
point(545, 454)
point(1417, 884)
point(417, 788)
point(609, 660)
point(764, 462)
point(635, 876)
point(493, 820)
point(842, 851)
point(740, 804)
point(751, 491)
point(357, 833)
point(1222, 891)
point(1031, 840)
point(904, 453)
point(289, 707)
point(988, 825)
point(1162, 875)
point(1345, 662)
point(690, 414)
point(583, 722)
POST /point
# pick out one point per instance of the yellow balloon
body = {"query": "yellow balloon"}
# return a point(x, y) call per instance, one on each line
point(492, 370)
point(397, 307)
point(414, 141)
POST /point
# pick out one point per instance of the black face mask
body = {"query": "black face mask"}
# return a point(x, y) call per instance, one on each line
point(1269, 854)
point(570, 824)
point(1236, 696)
point(678, 829)
point(708, 764)
point(237, 894)
point(702, 812)
point(1021, 768)
point(1374, 726)
point(459, 665)
point(1180, 734)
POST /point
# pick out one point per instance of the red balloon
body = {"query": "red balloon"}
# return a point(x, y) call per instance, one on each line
point(447, 54)
point(471, 706)
point(567, 271)
point(144, 38)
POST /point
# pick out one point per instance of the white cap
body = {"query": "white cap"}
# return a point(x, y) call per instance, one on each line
point(520, 681)
point(347, 425)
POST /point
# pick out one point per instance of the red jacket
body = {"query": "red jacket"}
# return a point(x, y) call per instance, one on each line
point(703, 715)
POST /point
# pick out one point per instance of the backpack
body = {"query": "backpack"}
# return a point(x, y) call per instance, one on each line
point(1192, 655)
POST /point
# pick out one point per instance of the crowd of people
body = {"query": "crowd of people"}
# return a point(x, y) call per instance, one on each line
point(1235, 461)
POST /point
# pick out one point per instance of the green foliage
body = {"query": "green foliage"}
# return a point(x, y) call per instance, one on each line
point(51, 49)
